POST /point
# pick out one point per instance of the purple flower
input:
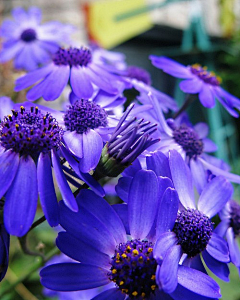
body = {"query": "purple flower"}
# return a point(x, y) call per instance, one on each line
point(229, 227)
point(191, 142)
point(199, 80)
point(111, 61)
point(4, 251)
point(30, 145)
point(87, 124)
point(72, 65)
point(188, 232)
point(115, 244)
point(187, 227)
point(5, 107)
point(140, 80)
point(139, 74)
point(28, 42)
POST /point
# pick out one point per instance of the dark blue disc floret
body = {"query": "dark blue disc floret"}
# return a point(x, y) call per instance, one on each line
point(205, 75)
point(187, 138)
point(73, 57)
point(235, 217)
point(30, 132)
point(193, 230)
point(28, 35)
point(133, 269)
point(84, 115)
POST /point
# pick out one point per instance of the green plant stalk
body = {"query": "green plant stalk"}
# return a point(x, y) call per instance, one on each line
point(39, 263)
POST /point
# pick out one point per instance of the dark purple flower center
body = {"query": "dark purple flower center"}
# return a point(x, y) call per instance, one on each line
point(84, 115)
point(133, 269)
point(206, 76)
point(187, 138)
point(30, 132)
point(139, 74)
point(73, 57)
point(235, 217)
point(28, 35)
point(193, 230)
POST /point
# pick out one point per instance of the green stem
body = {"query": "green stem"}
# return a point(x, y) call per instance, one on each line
point(36, 223)
point(39, 263)
point(26, 250)
point(189, 100)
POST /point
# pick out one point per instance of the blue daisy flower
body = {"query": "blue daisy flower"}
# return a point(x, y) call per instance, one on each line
point(4, 250)
point(188, 231)
point(30, 145)
point(188, 227)
point(191, 142)
point(229, 227)
point(140, 79)
point(111, 61)
point(28, 42)
point(198, 80)
point(87, 124)
point(115, 244)
point(72, 65)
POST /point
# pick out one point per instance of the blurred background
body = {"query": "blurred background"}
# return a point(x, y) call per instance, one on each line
point(189, 31)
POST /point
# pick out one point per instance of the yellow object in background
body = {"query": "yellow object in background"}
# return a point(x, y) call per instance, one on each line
point(228, 17)
point(104, 26)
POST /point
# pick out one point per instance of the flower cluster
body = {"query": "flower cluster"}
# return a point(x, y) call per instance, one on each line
point(174, 216)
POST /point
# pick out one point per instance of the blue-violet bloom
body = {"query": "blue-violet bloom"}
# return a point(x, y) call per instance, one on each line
point(191, 142)
point(198, 80)
point(87, 124)
point(4, 246)
point(229, 227)
point(73, 65)
point(28, 42)
point(30, 145)
point(189, 231)
point(112, 244)
point(140, 80)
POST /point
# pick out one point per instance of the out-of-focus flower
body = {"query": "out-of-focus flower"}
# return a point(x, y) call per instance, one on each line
point(72, 65)
point(112, 61)
point(198, 80)
point(140, 80)
point(28, 42)
point(229, 227)
point(96, 237)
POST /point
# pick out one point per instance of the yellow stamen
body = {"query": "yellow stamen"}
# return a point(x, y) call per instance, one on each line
point(135, 252)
